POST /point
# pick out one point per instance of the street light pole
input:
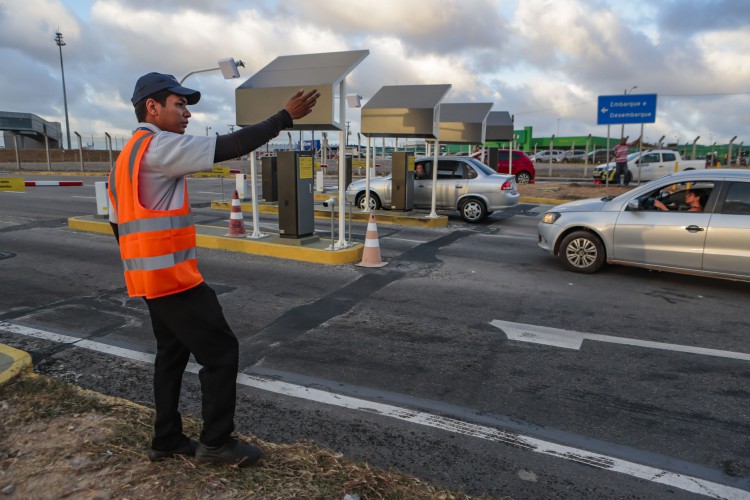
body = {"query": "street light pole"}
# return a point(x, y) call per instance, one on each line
point(60, 43)
point(227, 66)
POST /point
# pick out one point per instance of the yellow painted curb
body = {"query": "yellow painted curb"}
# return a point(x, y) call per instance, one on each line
point(272, 246)
point(21, 363)
point(92, 226)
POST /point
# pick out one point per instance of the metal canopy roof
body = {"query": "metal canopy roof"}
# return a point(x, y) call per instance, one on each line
point(499, 126)
point(266, 92)
point(463, 123)
point(404, 111)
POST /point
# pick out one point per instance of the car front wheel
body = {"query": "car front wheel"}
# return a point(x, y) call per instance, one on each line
point(582, 252)
point(523, 178)
point(473, 210)
point(374, 201)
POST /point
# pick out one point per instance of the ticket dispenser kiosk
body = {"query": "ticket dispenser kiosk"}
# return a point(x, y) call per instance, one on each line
point(402, 181)
point(270, 178)
point(295, 184)
point(492, 158)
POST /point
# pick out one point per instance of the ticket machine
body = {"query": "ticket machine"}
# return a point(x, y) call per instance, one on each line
point(295, 186)
point(402, 180)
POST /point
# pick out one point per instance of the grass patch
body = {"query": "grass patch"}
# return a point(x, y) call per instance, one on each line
point(57, 440)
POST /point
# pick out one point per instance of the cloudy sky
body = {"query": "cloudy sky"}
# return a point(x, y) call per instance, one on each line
point(544, 61)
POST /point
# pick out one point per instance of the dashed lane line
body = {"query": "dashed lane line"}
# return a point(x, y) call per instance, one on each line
point(653, 474)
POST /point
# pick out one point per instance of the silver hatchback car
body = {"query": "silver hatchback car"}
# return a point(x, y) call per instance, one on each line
point(694, 222)
point(464, 184)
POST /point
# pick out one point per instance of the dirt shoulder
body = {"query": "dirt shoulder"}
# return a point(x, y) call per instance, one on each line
point(569, 191)
point(60, 441)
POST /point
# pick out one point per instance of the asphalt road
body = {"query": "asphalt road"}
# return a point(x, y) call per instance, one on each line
point(403, 367)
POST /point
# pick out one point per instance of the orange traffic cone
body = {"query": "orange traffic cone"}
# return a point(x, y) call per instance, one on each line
point(236, 221)
point(371, 252)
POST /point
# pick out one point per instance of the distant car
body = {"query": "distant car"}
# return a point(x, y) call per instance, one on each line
point(547, 155)
point(598, 156)
point(570, 154)
point(630, 230)
point(523, 168)
point(464, 184)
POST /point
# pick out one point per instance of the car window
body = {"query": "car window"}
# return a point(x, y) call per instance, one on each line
point(478, 165)
point(737, 201)
point(650, 158)
point(674, 197)
point(503, 155)
point(668, 157)
point(427, 165)
point(469, 172)
point(446, 169)
point(518, 156)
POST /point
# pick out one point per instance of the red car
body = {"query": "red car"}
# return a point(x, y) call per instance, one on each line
point(523, 167)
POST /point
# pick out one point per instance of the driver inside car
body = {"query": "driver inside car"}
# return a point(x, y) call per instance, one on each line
point(695, 201)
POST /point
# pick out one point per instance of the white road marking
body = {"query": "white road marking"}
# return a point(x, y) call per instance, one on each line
point(683, 482)
point(208, 192)
point(569, 339)
point(85, 197)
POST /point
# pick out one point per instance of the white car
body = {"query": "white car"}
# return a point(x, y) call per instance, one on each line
point(547, 155)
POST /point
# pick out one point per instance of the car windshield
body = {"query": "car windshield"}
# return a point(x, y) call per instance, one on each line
point(481, 166)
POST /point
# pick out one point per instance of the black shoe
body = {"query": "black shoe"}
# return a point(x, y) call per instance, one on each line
point(187, 447)
point(232, 452)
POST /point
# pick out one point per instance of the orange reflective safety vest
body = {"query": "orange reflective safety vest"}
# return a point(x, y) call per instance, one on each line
point(157, 246)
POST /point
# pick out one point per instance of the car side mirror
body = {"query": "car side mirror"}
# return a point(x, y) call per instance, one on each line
point(634, 204)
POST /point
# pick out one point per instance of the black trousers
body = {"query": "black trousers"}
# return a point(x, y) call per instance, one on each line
point(192, 322)
point(621, 169)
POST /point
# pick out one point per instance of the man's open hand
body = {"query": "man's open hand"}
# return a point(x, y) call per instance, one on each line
point(301, 104)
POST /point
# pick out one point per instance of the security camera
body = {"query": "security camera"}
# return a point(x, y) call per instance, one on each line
point(330, 202)
point(354, 100)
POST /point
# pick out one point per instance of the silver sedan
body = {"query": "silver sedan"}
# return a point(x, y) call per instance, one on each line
point(464, 184)
point(695, 222)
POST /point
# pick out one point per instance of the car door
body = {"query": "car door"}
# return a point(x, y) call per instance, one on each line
point(649, 164)
point(423, 187)
point(666, 165)
point(652, 237)
point(503, 161)
point(727, 250)
point(451, 183)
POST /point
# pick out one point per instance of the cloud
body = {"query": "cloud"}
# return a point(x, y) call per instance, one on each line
point(688, 17)
point(543, 61)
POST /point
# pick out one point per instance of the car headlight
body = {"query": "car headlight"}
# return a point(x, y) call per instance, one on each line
point(550, 217)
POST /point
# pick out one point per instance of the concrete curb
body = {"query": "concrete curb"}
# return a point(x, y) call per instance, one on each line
point(543, 201)
point(383, 216)
point(13, 362)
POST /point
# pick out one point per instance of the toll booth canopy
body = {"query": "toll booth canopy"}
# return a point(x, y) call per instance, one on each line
point(266, 92)
point(404, 111)
point(463, 123)
point(499, 126)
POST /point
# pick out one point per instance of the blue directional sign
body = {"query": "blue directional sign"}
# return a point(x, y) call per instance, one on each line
point(626, 108)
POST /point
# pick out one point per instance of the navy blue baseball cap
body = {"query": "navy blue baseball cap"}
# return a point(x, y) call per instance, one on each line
point(152, 83)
